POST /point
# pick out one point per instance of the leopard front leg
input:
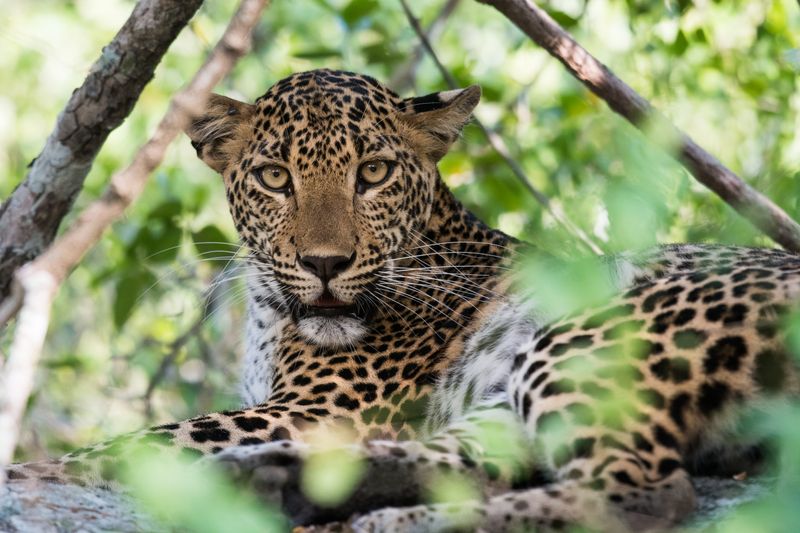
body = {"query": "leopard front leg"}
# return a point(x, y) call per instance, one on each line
point(603, 428)
point(392, 473)
point(621, 497)
point(101, 464)
point(484, 447)
point(541, 509)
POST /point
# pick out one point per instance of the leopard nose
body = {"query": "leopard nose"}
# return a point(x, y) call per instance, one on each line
point(325, 268)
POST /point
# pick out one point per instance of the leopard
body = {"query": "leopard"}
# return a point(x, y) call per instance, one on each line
point(380, 306)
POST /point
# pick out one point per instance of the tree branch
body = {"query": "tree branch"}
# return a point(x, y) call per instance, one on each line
point(169, 360)
point(40, 279)
point(499, 145)
point(748, 202)
point(30, 217)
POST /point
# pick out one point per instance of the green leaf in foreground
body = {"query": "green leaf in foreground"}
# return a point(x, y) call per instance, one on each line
point(452, 487)
point(330, 476)
point(561, 286)
point(198, 500)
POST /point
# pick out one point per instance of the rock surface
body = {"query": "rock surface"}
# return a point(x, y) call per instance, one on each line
point(62, 508)
point(716, 497)
point(50, 508)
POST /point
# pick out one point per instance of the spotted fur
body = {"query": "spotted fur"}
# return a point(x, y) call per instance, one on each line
point(427, 350)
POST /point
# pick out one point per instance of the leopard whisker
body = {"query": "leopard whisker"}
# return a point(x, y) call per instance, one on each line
point(465, 278)
point(432, 284)
point(413, 288)
point(396, 302)
point(429, 305)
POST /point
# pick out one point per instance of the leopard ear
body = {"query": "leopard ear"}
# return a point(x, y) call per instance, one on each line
point(214, 131)
point(439, 117)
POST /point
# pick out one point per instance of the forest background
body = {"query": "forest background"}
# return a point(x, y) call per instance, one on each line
point(137, 337)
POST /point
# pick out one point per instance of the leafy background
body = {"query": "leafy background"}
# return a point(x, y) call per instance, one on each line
point(136, 338)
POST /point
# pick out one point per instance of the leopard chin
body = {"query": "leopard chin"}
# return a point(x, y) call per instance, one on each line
point(332, 331)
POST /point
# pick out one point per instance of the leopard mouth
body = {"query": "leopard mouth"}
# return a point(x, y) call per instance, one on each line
point(329, 306)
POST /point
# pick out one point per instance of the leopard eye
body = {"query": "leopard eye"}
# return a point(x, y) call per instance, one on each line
point(272, 177)
point(372, 173)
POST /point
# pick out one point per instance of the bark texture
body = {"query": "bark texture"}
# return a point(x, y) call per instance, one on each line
point(708, 170)
point(30, 217)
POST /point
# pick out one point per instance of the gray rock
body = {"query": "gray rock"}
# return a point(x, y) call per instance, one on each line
point(716, 497)
point(51, 508)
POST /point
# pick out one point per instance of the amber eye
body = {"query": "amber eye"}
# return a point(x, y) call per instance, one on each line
point(272, 177)
point(374, 172)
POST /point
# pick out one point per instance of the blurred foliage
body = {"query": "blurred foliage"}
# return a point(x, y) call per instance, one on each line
point(134, 339)
point(197, 500)
point(333, 470)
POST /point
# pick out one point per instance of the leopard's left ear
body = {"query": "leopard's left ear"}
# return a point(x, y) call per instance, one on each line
point(439, 117)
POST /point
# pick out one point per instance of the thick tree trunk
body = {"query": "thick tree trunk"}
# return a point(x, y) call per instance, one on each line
point(30, 217)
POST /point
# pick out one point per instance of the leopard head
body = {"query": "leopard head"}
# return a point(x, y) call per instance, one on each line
point(328, 176)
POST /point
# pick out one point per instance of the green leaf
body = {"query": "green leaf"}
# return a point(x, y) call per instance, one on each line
point(357, 10)
point(166, 210)
point(318, 53)
point(561, 286)
point(158, 240)
point(197, 500)
point(210, 243)
point(382, 53)
point(330, 476)
point(680, 45)
point(130, 287)
point(562, 18)
point(157, 243)
point(70, 360)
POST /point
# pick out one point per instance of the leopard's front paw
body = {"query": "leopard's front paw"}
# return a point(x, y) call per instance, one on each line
point(288, 474)
point(388, 519)
point(272, 470)
point(465, 516)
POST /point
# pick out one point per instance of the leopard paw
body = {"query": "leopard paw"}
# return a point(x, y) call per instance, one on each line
point(421, 518)
point(271, 470)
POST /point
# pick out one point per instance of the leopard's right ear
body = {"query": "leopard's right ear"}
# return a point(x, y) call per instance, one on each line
point(214, 132)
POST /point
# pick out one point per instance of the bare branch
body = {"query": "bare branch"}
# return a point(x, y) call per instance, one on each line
point(16, 380)
point(499, 145)
point(41, 278)
point(748, 202)
point(30, 217)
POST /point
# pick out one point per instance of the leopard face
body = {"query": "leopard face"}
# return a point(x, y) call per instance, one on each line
point(330, 178)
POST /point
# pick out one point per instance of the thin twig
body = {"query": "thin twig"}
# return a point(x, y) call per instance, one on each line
point(168, 360)
point(194, 331)
point(40, 279)
point(708, 170)
point(499, 145)
point(403, 78)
